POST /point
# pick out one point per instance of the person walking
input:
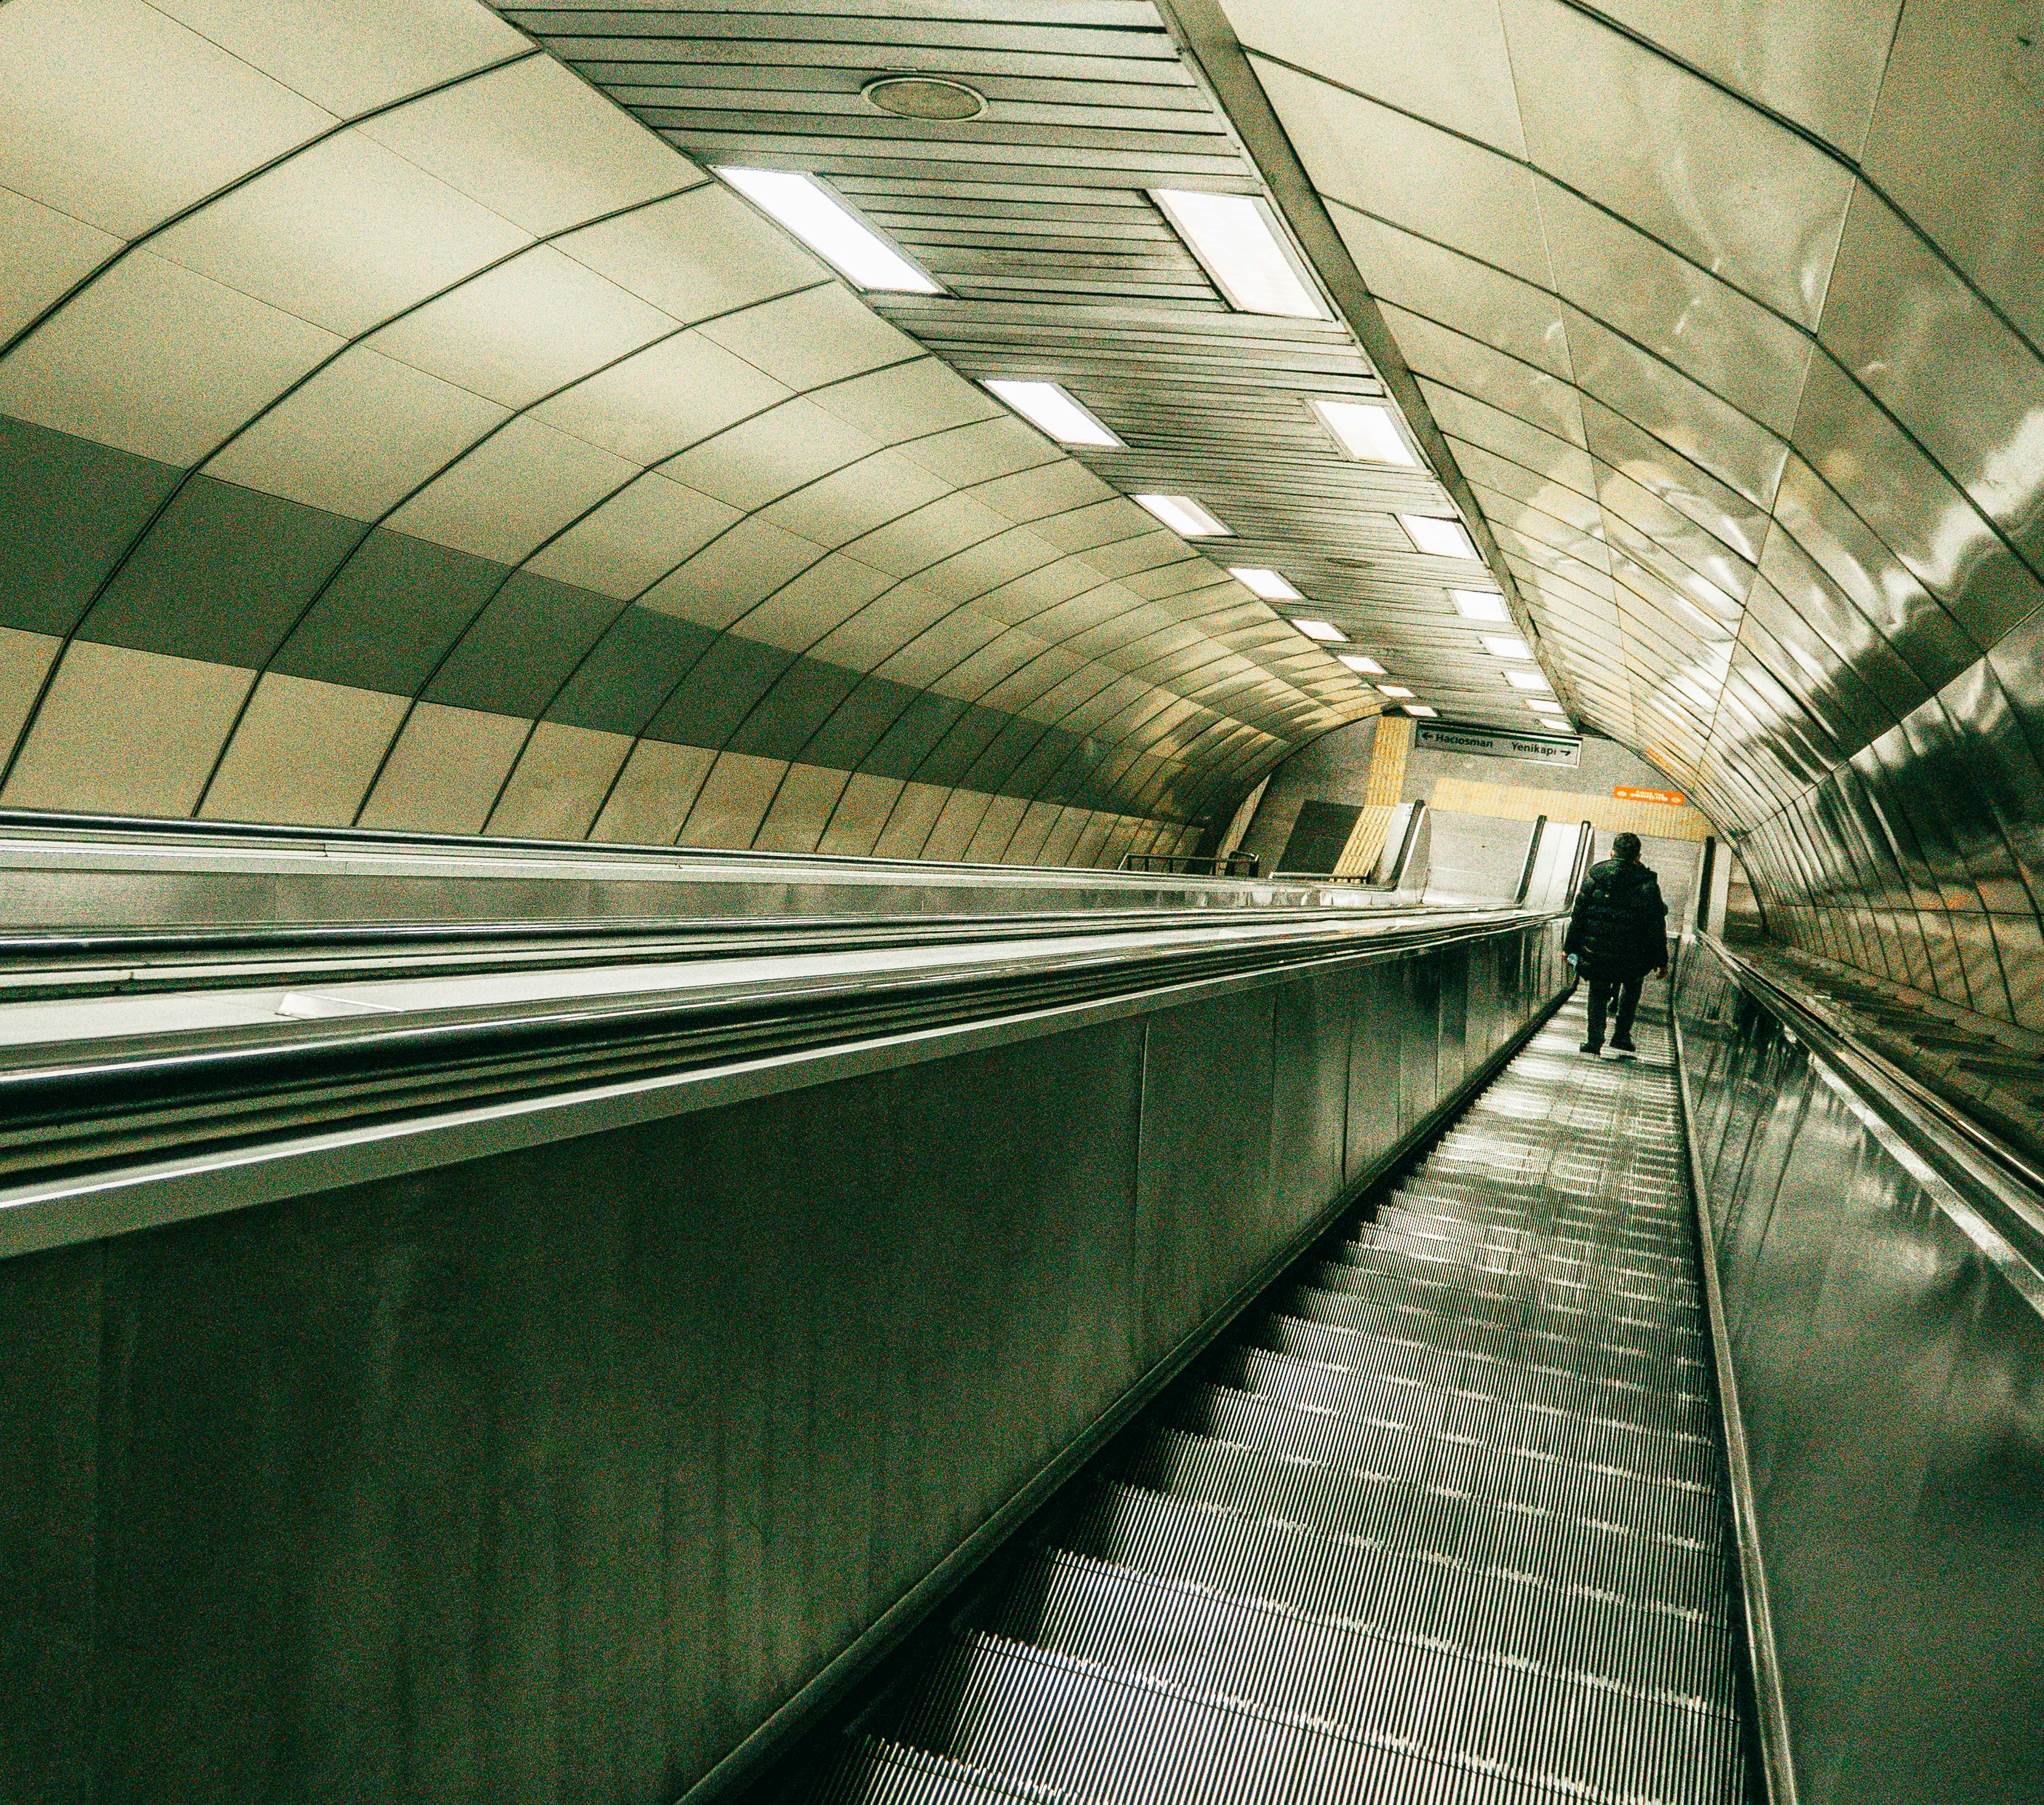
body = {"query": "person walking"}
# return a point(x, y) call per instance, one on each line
point(1618, 934)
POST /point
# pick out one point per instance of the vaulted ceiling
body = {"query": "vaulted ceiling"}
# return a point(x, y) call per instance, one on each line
point(400, 424)
point(1731, 314)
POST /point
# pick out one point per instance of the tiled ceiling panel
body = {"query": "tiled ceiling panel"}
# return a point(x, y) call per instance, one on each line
point(1036, 219)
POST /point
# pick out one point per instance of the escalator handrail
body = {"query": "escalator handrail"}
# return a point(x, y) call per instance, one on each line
point(74, 1112)
point(1984, 1173)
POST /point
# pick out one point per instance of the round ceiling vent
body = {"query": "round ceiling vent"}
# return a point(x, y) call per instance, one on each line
point(925, 97)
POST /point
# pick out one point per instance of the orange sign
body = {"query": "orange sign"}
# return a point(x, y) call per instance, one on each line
point(1626, 793)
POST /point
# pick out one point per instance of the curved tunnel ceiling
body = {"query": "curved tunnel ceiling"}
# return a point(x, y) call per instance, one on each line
point(1732, 314)
point(394, 432)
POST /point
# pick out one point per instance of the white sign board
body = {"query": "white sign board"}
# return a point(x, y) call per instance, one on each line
point(1499, 742)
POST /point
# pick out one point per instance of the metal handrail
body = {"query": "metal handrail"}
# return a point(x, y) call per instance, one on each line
point(1532, 858)
point(1967, 1156)
point(1193, 864)
point(71, 1110)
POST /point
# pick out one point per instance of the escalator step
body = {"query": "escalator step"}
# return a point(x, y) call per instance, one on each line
point(1608, 1356)
point(1490, 1612)
point(1412, 1696)
point(1554, 1387)
point(1650, 1504)
point(1438, 1521)
point(1442, 1522)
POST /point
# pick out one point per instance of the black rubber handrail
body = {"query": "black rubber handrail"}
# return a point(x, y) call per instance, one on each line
point(2004, 1182)
point(78, 1107)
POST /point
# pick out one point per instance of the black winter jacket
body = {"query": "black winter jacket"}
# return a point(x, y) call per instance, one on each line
point(1619, 929)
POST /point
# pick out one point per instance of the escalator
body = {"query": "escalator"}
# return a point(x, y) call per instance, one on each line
point(1442, 1518)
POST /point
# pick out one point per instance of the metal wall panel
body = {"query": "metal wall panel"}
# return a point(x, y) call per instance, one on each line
point(555, 1473)
point(1745, 413)
point(1890, 1359)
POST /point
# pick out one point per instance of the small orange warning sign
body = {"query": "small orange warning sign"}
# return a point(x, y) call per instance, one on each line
point(1626, 793)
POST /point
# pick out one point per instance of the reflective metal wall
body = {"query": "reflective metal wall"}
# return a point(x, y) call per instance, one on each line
point(1731, 316)
point(1889, 1351)
point(555, 1474)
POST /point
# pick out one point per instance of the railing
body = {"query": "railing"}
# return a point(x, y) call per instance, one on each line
point(245, 1059)
point(1874, 1269)
point(1194, 864)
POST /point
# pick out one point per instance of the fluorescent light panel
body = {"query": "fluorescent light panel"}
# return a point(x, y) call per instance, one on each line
point(830, 229)
point(1438, 538)
point(1397, 690)
point(1528, 679)
point(1366, 430)
point(1047, 406)
point(1558, 726)
point(1360, 664)
point(1499, 645)
point(1541, 704)
point(1325, 631)
point(1234, 238)
point(1421, 709)
point(1184, 515)
point(1267, 583)
point(1480, 604)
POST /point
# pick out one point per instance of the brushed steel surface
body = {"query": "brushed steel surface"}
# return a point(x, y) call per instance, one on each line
point(1718, 310)
point(1886, 1336)
point(564, 1468)
point(1409, 1536)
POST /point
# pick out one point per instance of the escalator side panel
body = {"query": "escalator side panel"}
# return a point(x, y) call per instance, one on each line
point(1442, 1520)
point(1891, 1377)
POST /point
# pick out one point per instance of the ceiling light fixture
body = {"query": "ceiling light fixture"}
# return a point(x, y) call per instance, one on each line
point(1360, 664)
point(1502, 645)
point(1421, 709)
point(1438, 538)
point(1558, 726)
point(1324, 631)
point(925, 97)
point(1184, 515)
point(1366, 430)
point(1480, 604)
point(1398, 690)
point(1047, 406)
point(1528, 679)
point(1238, 244)
point(828, 228)
point(1267, 583)
point(1541, 704)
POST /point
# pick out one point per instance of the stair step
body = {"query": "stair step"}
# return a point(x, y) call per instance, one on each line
point(1524, 1382)
point(1482, 1613)
point(1412, 1697)
point(1647, 1504)
point(1556, 1435)
point(1432, 1520)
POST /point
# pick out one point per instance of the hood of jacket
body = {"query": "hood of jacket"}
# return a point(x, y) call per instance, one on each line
point(1617, 876)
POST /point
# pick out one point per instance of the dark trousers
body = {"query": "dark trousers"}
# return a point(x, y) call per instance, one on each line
point(1601, 992)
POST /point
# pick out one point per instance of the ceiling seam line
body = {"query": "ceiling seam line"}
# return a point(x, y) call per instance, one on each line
point(241, 181)
point(372, 527)
point(1206, 37)
point(192, 473)
point(1858, 173)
